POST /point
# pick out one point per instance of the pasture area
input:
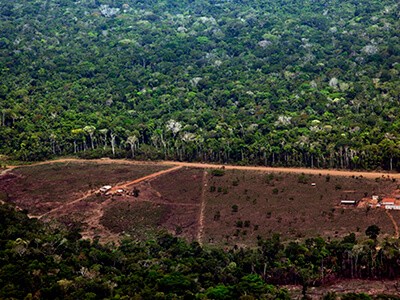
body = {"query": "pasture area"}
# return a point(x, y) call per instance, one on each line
point(217, 207)
point(242, 205)
point(41, 188)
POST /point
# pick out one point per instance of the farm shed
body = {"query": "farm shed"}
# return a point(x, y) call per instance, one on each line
point(387, 202)
point(105, 188)
point(348, 202)
point(393, 207)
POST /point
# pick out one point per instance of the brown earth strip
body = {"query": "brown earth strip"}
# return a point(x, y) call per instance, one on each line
point(202, 209)
point(121, 186)
point(396, 228)
point(332, 172)
point(148, 177)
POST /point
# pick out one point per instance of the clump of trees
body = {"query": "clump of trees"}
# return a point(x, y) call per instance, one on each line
point(260, 82)
point(49, 261)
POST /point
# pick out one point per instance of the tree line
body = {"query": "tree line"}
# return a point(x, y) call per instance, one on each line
point(51, 261)
point(296, 83)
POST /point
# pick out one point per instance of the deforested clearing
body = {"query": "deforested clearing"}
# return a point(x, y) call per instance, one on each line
point(228, 206)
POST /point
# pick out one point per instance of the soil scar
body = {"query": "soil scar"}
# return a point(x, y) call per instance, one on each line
point(202, 209)
point(86, 195)
point(332, 172)
point(94, 226)
point(8, 169)
point(122, 186)
point(147, 177)
point(396, 228)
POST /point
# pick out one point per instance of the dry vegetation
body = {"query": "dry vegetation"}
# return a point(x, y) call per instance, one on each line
point(170, 202)
point(44, 187)
point(374, 287)
point(242, 205)
point(239, 205)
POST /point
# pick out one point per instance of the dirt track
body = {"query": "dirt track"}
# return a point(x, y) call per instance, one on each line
point(177, 165)
point(202, 209)
point(396, 228)
point(115, 188)
point(228, 167)
point(148, 177)
point(288, 170)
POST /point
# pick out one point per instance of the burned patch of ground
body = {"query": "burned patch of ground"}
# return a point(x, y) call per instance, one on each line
point(44, 187)
point(373, 287)
point(137, 219)
point(182, 186)
point(242, 205)
point(227, 207)
point(168, 202)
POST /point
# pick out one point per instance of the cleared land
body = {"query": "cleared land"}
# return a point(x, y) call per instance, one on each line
point(44, 187)
point(169, 202)
point(232, 206)
point(242, 205)
point(373, 287)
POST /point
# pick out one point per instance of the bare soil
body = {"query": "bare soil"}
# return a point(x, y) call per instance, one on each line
point(43, 187)
point(371, 287)
point(187, 200)
point(233, 209)
point(170, 201)
point(242, 205)
point(332, 172)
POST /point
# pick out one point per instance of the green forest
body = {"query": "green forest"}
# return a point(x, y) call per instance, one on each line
point(268, 82)
point(43, 261)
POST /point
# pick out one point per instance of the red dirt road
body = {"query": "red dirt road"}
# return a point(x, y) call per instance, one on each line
point(228, 167)
point(177, 165)
point(151, 176)
point(287, 170)
point(396, 228)
point(115, 188)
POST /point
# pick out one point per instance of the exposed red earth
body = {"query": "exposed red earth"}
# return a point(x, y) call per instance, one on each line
point(194, 204)
point(226, 208)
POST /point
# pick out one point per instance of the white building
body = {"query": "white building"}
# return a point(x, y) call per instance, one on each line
point(105, 188)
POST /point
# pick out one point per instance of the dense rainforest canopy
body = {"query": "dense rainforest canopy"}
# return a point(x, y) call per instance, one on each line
point(275, 82)
point(43, 261)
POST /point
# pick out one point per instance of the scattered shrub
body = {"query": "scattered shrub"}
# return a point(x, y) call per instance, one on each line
point(135, 192)
point(217, 172)
point(302, 178)
point(235, 208)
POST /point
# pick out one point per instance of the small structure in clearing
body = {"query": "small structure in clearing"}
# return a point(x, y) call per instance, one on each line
point(392, 207)
point(105, 189)
point(388, 201)
point(119, 192)
point(348, 202)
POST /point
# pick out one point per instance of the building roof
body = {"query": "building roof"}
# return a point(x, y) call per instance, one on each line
point(348, 201)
